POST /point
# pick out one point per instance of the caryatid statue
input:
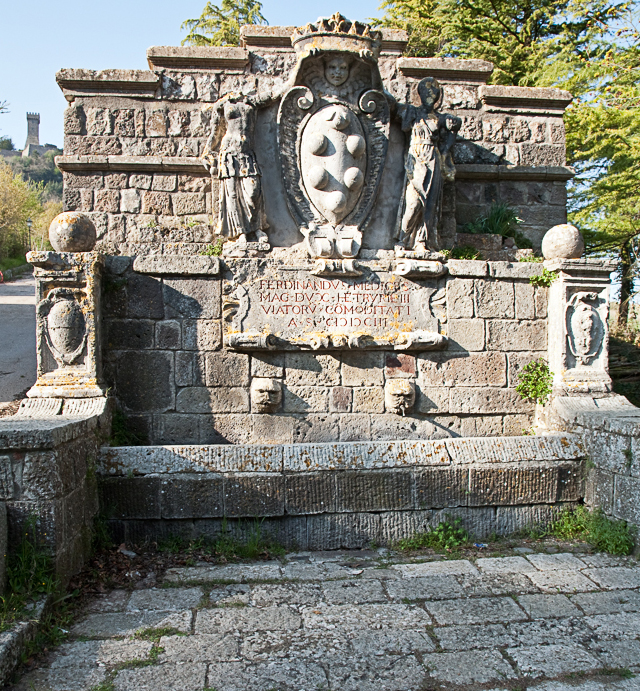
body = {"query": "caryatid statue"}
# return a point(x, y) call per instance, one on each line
point(428, 163)
point(241, 213)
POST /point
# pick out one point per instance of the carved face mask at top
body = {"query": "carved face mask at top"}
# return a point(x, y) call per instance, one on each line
point(266, 395)
point(336, 70)
point(399, 396)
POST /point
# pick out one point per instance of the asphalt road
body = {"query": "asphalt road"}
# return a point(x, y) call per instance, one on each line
point(17, 337)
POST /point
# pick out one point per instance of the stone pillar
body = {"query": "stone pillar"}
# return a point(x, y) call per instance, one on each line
point(578, 326)
point(68, 324)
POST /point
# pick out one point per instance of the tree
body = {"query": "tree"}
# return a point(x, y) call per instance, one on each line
point(522, 38)
point(19, 200)
point(220, 26)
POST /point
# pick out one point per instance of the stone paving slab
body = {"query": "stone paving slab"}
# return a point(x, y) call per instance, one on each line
point(363, 621)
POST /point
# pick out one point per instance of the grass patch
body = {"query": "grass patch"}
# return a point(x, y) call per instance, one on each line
point(30, 577)
point(623, 672)
point(604, 534)
point(447, 536)
point(155, 635)
point(226, 546)
point(12, 262)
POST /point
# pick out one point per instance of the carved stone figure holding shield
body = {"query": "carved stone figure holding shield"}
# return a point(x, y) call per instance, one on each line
point(428, 163)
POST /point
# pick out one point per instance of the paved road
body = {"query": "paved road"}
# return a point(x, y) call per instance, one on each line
point(544, 622)
point(17, 337)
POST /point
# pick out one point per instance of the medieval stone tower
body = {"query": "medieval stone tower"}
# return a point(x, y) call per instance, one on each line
point(33, 129)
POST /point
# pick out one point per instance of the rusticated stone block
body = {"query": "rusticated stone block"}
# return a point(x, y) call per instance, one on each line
point(525, 301)
point(374, 490)
point(267, 365)
point(227, 369)
point(219, 399)
point(124, 123)
point(368, 399)
point(316, 427)
point(626, 499)
point(477, 369)
point(598, 490)
point(201, 334)
point(107, 200)
point(518, 485)
point(99, 121)
point(168, 335)
point(516, 335)
point(193, 298)
point(254, 495)
point(340, 398)
point(510, 519)
point(362, 368)
point(136, 497)
point(156, 123)
point(172, 428)
point(466, 334)
point(570, 482)
point(164, 183)
point(144, 380)
point(309, 369)
point(75, 120)
point(91, 181)
point(140, 181)
point(340, 531)
point(193, 496)
point(144, 297)
point(156, 203)
point(272, 429)
point(189, 203)
point(355, 427)
point(487, 400)
point(400, 365)
point(460, 294)
point(542, 155)
point(494, 299)
point(71, 200)
point(115, 181)
point(302, 399)
point(431, 399)
point(310, 493)
point(133, 334)
point(130, 201)
point(439, 488)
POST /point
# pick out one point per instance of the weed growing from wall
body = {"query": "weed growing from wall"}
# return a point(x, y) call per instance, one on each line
point(535, 381)
point(545, 279)
point(446, 536)
point(604, 533)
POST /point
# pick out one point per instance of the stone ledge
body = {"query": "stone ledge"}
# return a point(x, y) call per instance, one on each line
point(514, 269)
point(137, 164)
point(13, 642)
point(197, 57)
point(482, 171)
point(80, 82)
point(582, 266)
point(177, 265)
point(525, 99)
point(311, 458)
point(447, 69)
point(27, 433)
point(261, 36)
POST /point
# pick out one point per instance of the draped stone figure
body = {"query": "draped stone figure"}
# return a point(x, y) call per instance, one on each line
point(428, 163)
point(241, 212)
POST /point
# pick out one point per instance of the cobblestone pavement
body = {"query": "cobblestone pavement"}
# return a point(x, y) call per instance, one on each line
point(363, 621)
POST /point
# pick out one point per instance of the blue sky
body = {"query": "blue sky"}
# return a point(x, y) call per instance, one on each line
point(39, 38)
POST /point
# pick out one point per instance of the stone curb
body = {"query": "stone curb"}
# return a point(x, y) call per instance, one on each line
point(14, 641)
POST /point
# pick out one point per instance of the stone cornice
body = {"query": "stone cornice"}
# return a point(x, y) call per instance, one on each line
point(472, 171)
point(78, 82)
point(447, 69)
point(197, 57)
point(524, 99)
point(138, 164)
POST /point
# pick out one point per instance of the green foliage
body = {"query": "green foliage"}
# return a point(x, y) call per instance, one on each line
point(524, 39)
point(501, 220)
point(41, 170)
point(532, 259)
point(6, 144)
point(122, 432)
point(465, 252)
point(604, 533)
point(545, 279)
point(256, 545)
point(220, 25)
point(447, 536)
point(153, 634)
point(12, 262)
point(534, 381)
point(29, 576)
point(214, 250)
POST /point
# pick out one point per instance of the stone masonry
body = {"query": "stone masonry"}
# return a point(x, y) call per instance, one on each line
point(363, 622)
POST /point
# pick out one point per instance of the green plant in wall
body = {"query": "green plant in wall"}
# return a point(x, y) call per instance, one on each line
point(534, 381)
point(214, 250)
point(501, 220)
point(466, 252)
point(545, 279)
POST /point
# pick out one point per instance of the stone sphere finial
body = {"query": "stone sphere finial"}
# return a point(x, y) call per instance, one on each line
point(562, 242)
point(72, 231)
